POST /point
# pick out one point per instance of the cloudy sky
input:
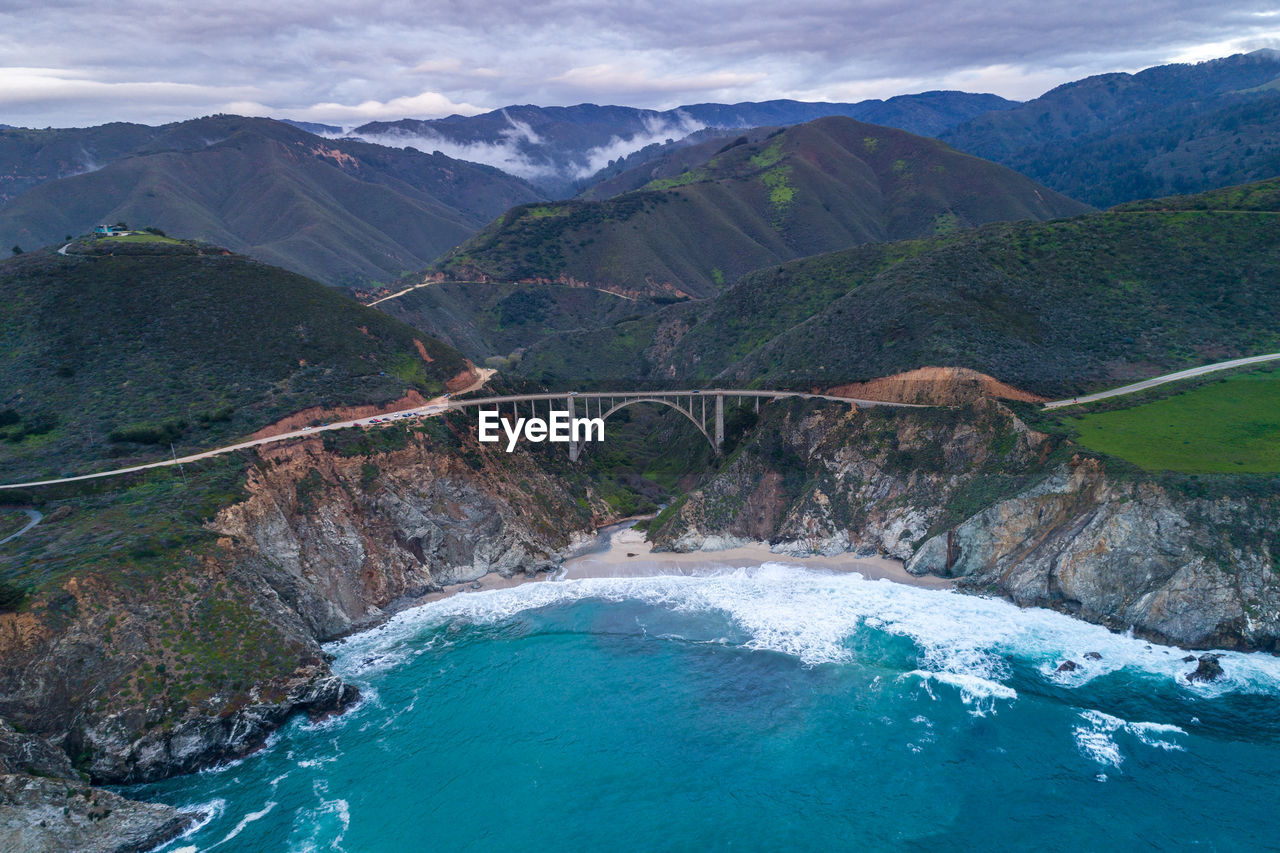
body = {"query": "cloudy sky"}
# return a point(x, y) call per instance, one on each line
point(83, 62)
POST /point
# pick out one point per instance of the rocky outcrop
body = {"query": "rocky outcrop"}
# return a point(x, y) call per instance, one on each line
point(344, 540)
point(972, 493)
point(827, 479)
point(1124, 553)
point(138, 678)
point(39, 814)
point(45, 805)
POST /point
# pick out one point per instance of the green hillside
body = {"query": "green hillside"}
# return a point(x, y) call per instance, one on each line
point(828, 184)
point(110, 355)
point(1117, 137)
point(340, 211)
point(496, 321)
point(1056, 307)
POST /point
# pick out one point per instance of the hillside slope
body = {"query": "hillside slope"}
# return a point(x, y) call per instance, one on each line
point(110, 357)
point(1119, 137)
point(341, 211)
point(828, 184)
point(1053, 308)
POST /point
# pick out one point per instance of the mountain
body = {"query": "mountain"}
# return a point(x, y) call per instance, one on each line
point(1119, 137)
point(560, 148)
point(124, 345)
point(828, 184)
point(494, 322)
point(662, 160)
point(1054, 308)
point(342, 211)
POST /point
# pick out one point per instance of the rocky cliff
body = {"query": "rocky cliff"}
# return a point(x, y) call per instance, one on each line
point(973, 493)
point(1129, 554)
point(45, 805)
point(137, 678)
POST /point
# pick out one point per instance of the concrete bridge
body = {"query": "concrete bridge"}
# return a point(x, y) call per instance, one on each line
point(698, 406)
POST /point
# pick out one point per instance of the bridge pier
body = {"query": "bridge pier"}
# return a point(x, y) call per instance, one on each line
point(719, 424)
point(575, 447)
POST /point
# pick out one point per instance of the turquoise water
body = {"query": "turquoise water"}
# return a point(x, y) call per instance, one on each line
point(763, 709)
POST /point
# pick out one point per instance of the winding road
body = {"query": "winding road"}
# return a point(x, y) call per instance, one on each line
point(1161, 380)
point(34, 517)
point(444, 403)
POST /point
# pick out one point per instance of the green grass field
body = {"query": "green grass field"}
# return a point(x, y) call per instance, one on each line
point(1228, 427)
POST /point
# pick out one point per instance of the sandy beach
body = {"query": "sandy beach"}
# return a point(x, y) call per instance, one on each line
point(621, 551)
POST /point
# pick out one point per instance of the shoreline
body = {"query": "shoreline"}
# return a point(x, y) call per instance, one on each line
point(623, 552)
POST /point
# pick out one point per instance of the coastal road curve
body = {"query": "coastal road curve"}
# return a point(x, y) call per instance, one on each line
point(441, 404)
point(1161, 380)
point(429, 409)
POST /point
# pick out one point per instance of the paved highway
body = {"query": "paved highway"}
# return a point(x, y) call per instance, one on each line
point(431, 408)
point(1161, 380)
point(442, 404)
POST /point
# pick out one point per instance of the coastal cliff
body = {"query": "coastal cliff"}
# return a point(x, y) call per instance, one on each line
point(974, 493)
point(141, 678)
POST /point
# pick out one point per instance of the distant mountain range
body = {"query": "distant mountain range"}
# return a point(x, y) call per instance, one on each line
point(560, 149)
point(828, 184)
point(342, 211)
point(362, 208)
point(1118, 137)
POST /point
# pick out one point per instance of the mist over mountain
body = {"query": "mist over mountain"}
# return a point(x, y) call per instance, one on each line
point(559, 149)
point(831, 183)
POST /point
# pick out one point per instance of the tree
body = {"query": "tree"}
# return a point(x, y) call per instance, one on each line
point(17, 250)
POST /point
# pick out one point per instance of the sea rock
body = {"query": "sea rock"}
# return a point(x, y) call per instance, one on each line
point(1208, 670)
point(1068, 666)
point(1092, 656)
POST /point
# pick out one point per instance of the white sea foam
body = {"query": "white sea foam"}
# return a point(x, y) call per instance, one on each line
point(245, 821)
point(811, 615)
point(207, 812)
point(1095, 737)
point(979, 694)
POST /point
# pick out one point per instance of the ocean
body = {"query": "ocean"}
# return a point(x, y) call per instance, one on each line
point(774, 707)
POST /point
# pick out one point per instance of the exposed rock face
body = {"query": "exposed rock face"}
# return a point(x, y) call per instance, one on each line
point(340, 542)
point(945, 386)
point(38, 814)
point(1124, 554)
point(141, 678)
point(971, 493)
point(827, 479)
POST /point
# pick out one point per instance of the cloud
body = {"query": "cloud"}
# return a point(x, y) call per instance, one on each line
point(607, 77)
point(425, 105)
point(355, 60)
point(597, 158)
point(515, 153)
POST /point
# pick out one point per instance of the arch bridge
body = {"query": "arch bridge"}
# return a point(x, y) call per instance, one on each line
point(703, 407)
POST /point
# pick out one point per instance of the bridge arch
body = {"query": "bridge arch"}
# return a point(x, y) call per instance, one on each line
point(702, 429)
